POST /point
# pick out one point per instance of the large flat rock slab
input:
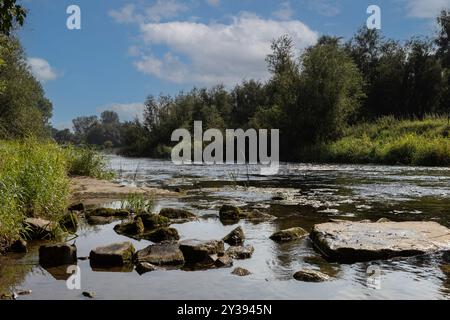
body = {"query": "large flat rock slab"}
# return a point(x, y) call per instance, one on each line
point(347, 241)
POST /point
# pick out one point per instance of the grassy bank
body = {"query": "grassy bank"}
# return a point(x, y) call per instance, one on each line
point(34, 181)
point(390, 141)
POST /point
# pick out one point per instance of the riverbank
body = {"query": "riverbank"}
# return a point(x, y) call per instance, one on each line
point(388, 141)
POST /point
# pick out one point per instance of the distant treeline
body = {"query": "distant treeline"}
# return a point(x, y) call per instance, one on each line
point(312, 97)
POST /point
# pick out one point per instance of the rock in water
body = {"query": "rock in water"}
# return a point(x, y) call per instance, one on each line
point(310, 276)
point(257, 216)
point(354, 241)
point(108, 212)
point(240, 252)
point(235, 237)
point(19, 246)
point(161, 254)
point(177, 215)
point(241, 272)
point(153, 221)
point(90, 295)
point(53, 255)
point(201, 252)
point(230, 214)
point(224, 261)
point(130, 229)
point(144, 267)
point(162, 234)
point(40, 228)
point(114, 255)
point(289, 234)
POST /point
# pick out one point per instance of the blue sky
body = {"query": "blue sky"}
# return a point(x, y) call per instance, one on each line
point(127, 50)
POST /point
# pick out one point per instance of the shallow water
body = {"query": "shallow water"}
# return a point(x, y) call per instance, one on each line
point(313, 194)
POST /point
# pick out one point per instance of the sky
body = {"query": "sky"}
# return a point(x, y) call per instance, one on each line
point(127, 50)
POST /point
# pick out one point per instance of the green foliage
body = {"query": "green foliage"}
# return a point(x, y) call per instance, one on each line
point(86, 161)
point(138, 203)
point(11, 14)
point(33, 182)
point(390, 141)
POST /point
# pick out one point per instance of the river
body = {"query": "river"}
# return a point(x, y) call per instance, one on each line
point(312, 194)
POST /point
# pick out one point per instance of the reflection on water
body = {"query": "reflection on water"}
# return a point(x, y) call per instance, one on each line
point(310, 194)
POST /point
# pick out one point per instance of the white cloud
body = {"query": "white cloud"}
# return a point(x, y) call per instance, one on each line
point(126, 111)
point(426, 9)
point(285, 11)
point(41, 69)
point(213, 3)
point(162, 9)
point(214, 53)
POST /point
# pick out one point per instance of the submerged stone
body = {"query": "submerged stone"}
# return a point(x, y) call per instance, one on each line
point(307, 275)
point(144, 267)
point(177, 215)
point(241, 272)
point(355, 241)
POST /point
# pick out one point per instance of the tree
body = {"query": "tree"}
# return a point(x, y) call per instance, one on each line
point(109, 117)
point(331, 91)
point(82, 125)
point(443, 53)
point(11, 14)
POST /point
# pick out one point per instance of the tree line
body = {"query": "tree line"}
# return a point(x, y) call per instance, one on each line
point(311, 97)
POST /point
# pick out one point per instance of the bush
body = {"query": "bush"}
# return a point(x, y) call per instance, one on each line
point(33, 182)
point(85, 161)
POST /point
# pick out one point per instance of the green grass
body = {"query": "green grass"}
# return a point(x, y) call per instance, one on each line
point(34, 181)
point(138, 203)
point(390, 141)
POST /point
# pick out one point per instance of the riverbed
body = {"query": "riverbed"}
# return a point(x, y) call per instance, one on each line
point(310, 194)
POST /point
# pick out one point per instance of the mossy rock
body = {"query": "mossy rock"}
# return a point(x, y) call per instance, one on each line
point(235, 237)
point(130, 229)
point(109, 212)
point(307, 275)
point(177, 214)
point(229, 213)
point(115, 255)
point(162, 234)
point(153, 221)
point(289, 234)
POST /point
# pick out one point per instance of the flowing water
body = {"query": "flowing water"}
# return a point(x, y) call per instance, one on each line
point(312, 194)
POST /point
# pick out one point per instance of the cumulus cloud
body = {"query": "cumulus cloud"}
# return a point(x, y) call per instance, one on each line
point(162, 9)
point(426, 9)
point(285, 11)
point(126, 111)
point(214, 53)
point(42, 70)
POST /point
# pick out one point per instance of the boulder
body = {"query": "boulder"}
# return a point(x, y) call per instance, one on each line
point(354, 241)
point(230, 214)
point(177, 215)
point(224, 261)
point(130, 229)
point(240, 252)
point(162, 234)
point(19, 246)
point(307, 275)
point(241, 272)
point(201, 252)
point(114, 255)
point(53, 255)
point(76, 207)
point(289, 234)
point(235, 237)
point(38, 228)
point(108, 212)
point(161, 254)
point(144, 267)
point(153, 221)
